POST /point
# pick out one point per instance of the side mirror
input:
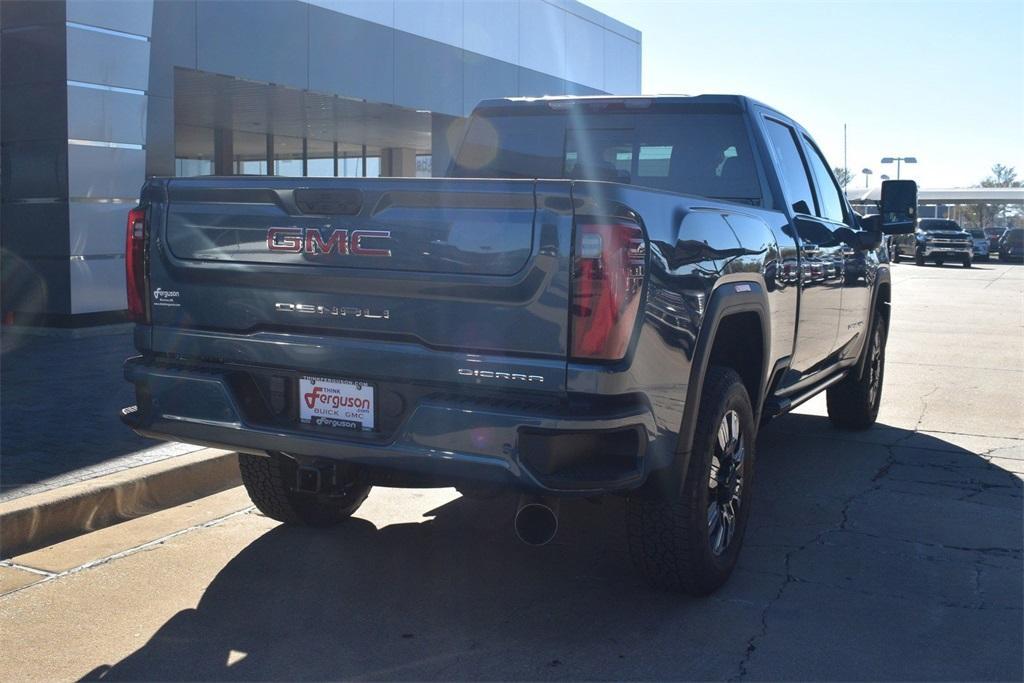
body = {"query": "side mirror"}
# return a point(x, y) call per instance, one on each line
point(899, 206)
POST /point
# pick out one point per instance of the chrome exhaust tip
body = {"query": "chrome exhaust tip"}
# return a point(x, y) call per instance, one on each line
point(536, 521)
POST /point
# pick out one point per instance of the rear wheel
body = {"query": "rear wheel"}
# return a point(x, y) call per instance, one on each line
point(689, 540)
point(271, 481)
point(853, 403)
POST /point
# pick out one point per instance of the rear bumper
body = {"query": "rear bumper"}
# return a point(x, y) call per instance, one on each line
point(544, 446)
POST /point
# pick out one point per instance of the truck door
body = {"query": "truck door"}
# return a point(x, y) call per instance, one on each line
point(820, 256)
point(856, 266)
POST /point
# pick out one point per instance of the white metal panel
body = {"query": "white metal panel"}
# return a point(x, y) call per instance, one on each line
point(378, 11)
point(102, 172)
point(107, 59)
point(105, 115)
point(439, 20)
point(130, 16)
point(621, 65)
point(542, 37)
point(97, 227)
point(97, 285)
point(584, 61)
point(492, 29)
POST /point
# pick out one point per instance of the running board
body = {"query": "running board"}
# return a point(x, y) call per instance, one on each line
point(775, 407)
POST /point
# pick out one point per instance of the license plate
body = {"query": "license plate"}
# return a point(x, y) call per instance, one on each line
point(336, 403)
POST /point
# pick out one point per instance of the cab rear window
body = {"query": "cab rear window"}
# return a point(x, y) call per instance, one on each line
point(693, 149)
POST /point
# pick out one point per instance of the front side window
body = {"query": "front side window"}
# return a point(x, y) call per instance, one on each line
point(831, 204)
point(791, 167)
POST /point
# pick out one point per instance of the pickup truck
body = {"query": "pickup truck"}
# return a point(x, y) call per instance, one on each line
point(937, 240)
point(603, 296)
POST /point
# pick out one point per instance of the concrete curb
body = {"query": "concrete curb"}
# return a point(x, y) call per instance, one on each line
point(40, 519)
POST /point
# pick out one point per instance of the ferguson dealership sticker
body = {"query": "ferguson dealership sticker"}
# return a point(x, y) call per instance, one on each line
point(165, 297)
point(335, 403)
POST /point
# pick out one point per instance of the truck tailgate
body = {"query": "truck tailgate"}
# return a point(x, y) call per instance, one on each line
point(454, 265)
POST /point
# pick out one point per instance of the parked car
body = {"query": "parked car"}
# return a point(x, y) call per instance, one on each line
point(1011, 245)
point(993, 235)
point(606, 296)
point(980, 244)
point(937, 240)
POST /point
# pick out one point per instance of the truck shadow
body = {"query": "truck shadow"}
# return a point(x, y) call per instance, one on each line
point(910, 543)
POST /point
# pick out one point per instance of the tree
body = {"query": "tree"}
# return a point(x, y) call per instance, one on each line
point(983, 215)
point(1002, 176)
point(843, 176)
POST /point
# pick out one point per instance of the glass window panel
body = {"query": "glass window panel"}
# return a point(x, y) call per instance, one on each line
point(350, 167)
point(320, 155)
point(287, 156)
point(249, 153)
point(423, 166)
point(372, 167)
point(193, 150)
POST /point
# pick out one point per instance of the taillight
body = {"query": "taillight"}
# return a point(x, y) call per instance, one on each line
point(607, 279)
point(134, 263)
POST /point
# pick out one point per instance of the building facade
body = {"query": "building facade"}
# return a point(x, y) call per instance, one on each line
point(97, 95)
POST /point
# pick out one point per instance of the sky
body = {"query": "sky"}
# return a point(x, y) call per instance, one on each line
point(942, 81)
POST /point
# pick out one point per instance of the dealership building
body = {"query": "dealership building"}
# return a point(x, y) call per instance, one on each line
point(97, 95)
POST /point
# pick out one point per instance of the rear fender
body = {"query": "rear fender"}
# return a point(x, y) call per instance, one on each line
point(731, 297)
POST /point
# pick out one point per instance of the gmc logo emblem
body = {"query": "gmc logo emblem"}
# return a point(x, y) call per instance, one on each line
point(312, 241)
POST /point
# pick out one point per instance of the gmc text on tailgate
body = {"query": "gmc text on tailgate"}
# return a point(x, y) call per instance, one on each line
point(603, 296)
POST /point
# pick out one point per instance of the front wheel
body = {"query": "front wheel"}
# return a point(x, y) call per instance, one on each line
point(689, 539)
point(853, 403)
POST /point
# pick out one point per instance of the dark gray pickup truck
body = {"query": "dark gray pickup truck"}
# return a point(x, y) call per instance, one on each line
point(604, 296)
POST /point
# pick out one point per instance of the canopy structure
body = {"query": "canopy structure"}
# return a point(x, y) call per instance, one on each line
point(955, 195)
point(958, 203)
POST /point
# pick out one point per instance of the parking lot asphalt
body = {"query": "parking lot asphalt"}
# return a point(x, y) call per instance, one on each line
point(893, 553)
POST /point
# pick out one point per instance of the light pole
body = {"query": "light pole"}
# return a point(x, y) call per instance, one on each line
point(867, 173)
point(898, 160)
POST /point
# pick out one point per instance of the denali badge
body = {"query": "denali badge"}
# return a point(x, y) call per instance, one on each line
point(311, 241)
point(506, 376)
point(335, 311)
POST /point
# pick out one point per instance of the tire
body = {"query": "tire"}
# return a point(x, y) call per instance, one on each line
point(270, 484)
point(853, 403)
point(673, 541)
point(966, 261)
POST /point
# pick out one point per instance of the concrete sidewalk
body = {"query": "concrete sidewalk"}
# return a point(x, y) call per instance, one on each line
point(61, 395)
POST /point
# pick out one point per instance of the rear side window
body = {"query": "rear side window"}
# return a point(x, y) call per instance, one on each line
point(791, 167)
point(691, 149)
point(831, 204)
